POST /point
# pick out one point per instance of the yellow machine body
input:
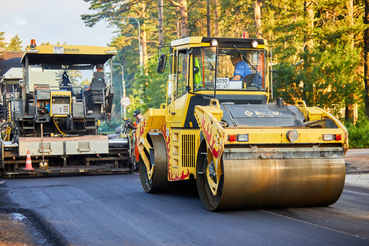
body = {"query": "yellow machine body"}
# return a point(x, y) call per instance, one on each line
point(243, 151)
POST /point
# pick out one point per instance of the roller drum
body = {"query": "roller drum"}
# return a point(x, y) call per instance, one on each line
point(275, 183)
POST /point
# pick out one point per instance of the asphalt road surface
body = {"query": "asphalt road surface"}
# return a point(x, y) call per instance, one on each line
point(115, 210)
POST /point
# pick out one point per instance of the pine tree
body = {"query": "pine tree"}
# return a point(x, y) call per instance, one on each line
point(320, 38)
point(316, 43)
point(366, 59)
point(2, 41)
point(15, 44)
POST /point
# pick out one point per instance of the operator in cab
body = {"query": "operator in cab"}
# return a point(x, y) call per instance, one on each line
point(100, 73)
point(241, 69)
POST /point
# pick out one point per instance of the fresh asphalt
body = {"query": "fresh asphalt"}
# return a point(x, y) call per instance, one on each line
point(115, 210)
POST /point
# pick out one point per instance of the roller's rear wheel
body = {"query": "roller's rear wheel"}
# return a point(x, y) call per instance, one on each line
point(157, 156)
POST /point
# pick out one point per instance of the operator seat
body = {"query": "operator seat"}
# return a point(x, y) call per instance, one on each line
point(97, 90)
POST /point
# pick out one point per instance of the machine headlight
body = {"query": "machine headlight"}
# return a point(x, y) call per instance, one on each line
point(214, 42)
point(327, 137)
point(243, 137)
point(111, 52)
point(254, 44)
point(33, 51)
point(331, 137)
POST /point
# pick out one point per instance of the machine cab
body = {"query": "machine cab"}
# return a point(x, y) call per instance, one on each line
point(202, 68)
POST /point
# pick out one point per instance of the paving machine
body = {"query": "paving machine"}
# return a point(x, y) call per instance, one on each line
point(244, 152)
point(52, 113)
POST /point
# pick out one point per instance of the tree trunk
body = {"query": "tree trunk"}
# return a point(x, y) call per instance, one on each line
point(310, 14)
point(161, 29)
point(257, 12)
point(208, 17)
point(144, 45)
point(349, 112)
point(215, 18)
point(366, 62)
point(308, 40)
point(178, 25)
point(182, 5)
point(184, 14)
point(143, 36)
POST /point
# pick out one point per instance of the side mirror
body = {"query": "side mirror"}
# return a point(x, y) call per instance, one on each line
point(161, 64)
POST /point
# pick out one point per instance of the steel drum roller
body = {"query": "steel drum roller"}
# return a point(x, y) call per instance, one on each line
point(272, 183)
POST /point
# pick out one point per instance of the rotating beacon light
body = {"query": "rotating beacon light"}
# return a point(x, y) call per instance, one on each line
point(33, 43)
point(245, 34)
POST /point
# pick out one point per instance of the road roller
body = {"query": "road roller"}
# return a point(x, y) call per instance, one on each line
point(245, 150)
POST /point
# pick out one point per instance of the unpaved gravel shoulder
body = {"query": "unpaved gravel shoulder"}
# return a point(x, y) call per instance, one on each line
point(20, 226)
point(357, 161)
point(15, 228)
point(15, 231)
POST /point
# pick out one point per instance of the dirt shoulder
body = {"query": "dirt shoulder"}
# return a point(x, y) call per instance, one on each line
point(357, 161)
point(14, 231)
point(20, 226)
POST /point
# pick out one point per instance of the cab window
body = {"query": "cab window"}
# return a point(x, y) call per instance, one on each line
point(240, 72)
point(204, 64)
point(182, 73)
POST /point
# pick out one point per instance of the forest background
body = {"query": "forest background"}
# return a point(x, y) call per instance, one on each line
point(319, 48)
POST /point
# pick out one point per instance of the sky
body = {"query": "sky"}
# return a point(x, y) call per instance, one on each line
point(51, 21)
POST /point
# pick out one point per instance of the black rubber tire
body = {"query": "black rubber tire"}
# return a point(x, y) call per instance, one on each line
point(209, 201)
point(159, 181)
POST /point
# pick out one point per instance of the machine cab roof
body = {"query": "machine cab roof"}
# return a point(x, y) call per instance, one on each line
point(50, 64)
point(67, 54)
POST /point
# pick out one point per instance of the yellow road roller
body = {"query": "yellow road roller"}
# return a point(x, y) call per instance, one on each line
point(218, 127)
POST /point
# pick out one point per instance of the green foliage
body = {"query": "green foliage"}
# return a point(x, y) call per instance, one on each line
point(150, 87)
point(106, 129)
point(328, 47)
point(359, 133)
point(14, 45)
point(2, 41)
point(235, 17)
point(325, 34)
point(324, 79)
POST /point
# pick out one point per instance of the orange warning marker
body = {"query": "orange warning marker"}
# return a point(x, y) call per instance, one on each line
point(245, 34)
point(28, 162)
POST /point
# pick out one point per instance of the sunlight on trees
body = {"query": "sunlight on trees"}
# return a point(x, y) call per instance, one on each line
point(324, 38)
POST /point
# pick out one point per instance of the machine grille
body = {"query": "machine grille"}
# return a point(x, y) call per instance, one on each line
point(188, 150)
